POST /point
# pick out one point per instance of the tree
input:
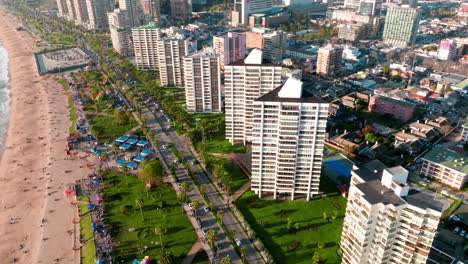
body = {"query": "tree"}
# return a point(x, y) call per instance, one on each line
point(367, 129)
point(321, 245)
point(97, 130)
point(243, 253)
point(195, 205)
point(318, 258)
point(220, 215)
point(184, 187)
point(226, 260)
point(139, 203)
point(159, 232)
point(151, 172)
point(386, 69)
point(371, 138)
point(104, 155)
point(181, 199)
point(211, 238)
point(325, 217)
point(334, 216)
point(120, 116)
point(203, 189)
point(211, 206)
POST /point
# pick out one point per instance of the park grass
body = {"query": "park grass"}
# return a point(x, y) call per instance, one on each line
point(70, 105)
point(200, 258)
point(86, 231)
point(111, 128)
point(238, 178)
point(88, 253)
point(220, 144)
point(83, 202)
point(451, 209)
point(179, 236)
point(269, 220)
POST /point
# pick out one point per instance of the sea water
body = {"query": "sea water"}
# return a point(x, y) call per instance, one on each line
point(4, 96)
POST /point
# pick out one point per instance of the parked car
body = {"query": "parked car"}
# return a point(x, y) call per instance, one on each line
point(456, 230)
point(206, 209)
point(238, 242)
point(463, 233)
point(204, 231)
point(164, 146)
point(455, 218)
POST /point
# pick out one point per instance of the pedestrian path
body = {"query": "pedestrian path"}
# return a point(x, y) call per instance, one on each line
point(193, 251)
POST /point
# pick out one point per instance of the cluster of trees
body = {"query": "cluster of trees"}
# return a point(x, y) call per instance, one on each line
point(323, 32)
point(152, 172)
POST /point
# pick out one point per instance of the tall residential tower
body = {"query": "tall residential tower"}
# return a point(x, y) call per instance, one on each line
point(289, 128)
point(401, 26)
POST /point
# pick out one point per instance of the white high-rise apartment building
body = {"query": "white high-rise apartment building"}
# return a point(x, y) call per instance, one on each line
point(230, 47)
point(145, 43)
point(287, 142)
point(246, 7)
point(401, 26)
point(120, 32)
point(245, 81)
point(62, 8)
point(81, 12)
point(202, 81)
point(71, 10)
point(97, 14)
point(386, 221)
point(171, 53)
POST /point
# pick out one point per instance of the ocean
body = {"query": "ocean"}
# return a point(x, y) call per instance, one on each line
point(4, 96)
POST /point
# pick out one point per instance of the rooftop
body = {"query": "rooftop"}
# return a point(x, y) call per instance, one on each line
point(208, 52)
point(150, 25)
point(443, 156)
point(375, 193)
point(288, 95)
point(425, 199)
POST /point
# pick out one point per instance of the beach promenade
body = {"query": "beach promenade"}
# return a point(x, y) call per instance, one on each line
point(36, 218)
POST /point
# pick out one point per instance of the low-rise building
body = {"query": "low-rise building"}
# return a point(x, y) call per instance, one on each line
point(352, 32)
point(399, 109)
point(423, 130)
point(464, 135)
point(447, 164)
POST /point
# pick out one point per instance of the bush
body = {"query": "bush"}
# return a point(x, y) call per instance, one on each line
point(293, 246)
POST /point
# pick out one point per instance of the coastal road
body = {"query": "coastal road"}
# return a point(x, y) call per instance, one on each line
point(181, 143)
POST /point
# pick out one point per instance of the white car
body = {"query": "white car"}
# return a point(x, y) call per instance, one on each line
point(164, 146)
point(204, 231)
point(455, 218)
point(238, 242)
point(456, 230)
point(206, 209)
point(462, 233)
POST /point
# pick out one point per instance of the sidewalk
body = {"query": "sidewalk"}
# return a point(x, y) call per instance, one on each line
point(191, 254)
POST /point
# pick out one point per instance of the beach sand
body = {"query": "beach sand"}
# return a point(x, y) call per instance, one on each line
point(33, 171)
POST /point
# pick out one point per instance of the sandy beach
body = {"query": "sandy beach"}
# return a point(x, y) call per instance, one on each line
point(33, 171)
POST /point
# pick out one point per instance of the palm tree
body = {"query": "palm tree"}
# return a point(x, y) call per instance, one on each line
point(202, 190)
point(195, 205)
point(226, 260)
point(243, 253)
point(123, 169)
point(211, 206)
point(181, 200)
point(139, 203)
point(220, 215)
point(184, 187)
point(159, 232)
point(211, 238)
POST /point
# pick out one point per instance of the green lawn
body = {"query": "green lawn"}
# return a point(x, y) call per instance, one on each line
point(269, 220)
point(160, 209)
point(111, 129)
point(83, 202)
point(85, 226)
point(238, 178)
point(223, 146)
point(88, 253)
point(200, 258)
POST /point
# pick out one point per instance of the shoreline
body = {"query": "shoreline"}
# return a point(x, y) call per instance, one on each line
point(33, 171)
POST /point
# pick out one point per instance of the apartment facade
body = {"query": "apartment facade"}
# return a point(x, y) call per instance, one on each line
point(446, 165)
point(401, 26)
point(245, 81)
point(243, 9)
point(386, 221)
point(145, 43)
point(120, 32)
point(329, 60)
point(171, 53)
point(202, 81)
point(181, 9)
point(447, 49)
point(287, 142)
point(399, 109)
point(97, 13)
point(81, 12)
point(352, 32)
point(274, 46)
point(151, 10)
point(230, 47)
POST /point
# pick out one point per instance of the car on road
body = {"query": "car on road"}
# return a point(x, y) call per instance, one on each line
point(206, 209)
point(463, 233)
point(238, 242)
point(455, 218)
